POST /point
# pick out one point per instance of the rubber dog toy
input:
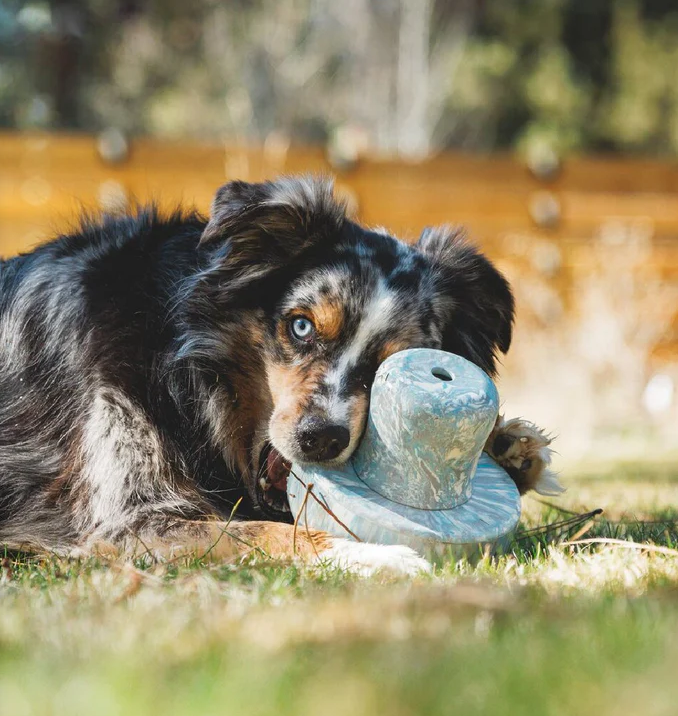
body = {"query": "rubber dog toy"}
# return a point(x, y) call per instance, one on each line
point(419, 476)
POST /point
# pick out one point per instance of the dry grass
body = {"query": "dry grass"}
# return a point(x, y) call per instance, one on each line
point(543, 628)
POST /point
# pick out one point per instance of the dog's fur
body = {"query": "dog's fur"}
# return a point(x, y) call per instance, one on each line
point(150, 377)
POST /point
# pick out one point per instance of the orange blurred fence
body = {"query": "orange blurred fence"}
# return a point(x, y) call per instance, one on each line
point(530, 224)
point(590, 246)
point(45, 178)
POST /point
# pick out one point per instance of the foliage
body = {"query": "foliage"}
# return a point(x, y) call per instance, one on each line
point(404, 76)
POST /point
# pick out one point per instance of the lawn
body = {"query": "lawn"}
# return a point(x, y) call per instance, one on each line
point(546, 628)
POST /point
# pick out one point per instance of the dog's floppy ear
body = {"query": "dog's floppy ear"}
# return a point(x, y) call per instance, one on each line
point(475, 301)
point(272, 222)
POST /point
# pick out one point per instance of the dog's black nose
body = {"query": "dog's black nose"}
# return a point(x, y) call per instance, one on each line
point(320, 440)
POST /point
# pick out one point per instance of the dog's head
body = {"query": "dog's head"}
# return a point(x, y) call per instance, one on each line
point(327, 301)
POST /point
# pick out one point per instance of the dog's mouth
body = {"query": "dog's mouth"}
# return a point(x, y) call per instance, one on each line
point(271, 486)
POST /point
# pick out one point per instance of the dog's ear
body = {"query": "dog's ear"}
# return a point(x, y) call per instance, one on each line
point(475, 301)
point(272, 222)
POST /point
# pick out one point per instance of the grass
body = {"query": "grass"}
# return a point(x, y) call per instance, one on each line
point(543, 628)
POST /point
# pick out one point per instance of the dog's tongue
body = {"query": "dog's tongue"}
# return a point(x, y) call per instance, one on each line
point(277, 469)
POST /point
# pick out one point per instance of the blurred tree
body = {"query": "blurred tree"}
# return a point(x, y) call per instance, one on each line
point(410, 75)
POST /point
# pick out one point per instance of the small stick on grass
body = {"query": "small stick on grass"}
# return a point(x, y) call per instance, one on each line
point(309, 487)
point(571, 522)
point(309, 491)
point(625, 544)
point(147, 548)
point(327, 509)
point(583, 530)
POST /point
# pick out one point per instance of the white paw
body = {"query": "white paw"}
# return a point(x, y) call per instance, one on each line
point(366, 559)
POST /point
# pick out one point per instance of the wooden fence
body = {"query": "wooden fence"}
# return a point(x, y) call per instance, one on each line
point(548, 226)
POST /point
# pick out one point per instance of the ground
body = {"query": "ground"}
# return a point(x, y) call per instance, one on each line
point(546, 628)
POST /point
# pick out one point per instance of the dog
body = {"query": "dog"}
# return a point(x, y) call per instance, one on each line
point(160, 373)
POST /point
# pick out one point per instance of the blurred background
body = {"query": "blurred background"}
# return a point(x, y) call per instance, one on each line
point(548, 127)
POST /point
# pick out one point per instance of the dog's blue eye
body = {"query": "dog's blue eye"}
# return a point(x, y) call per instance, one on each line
point(303, 329)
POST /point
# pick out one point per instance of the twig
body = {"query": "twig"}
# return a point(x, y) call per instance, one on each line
point(572, 522)
point(623, 521)
point(309, 487)
point(327, 509)
point(147, 548)
point(625, 544)
point(581, 532)
point(309, 491)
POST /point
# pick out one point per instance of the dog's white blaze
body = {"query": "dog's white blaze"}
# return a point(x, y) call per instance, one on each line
point(377, 316)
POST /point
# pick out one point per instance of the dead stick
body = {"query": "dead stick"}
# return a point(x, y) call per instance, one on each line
point(571, 522)
point(327, 509)
point(309, 491)
point(583, 530)
point(296, 519)
point(625, 544)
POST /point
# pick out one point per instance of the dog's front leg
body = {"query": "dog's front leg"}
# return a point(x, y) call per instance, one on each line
point(227, 542)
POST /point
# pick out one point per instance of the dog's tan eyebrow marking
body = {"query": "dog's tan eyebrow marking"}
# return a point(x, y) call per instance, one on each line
point(328, 317)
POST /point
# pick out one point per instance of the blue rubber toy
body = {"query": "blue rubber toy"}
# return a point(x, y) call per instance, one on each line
point(419, 476)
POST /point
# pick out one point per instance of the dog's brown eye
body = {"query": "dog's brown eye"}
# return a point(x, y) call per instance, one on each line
point(302, 329)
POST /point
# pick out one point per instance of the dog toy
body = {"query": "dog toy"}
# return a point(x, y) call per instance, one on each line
point(419, 476)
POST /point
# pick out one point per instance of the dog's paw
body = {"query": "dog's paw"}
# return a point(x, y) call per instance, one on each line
point(522, 449)
point(367, 559)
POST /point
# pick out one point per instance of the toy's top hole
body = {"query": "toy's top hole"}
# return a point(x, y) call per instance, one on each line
point(441, 373)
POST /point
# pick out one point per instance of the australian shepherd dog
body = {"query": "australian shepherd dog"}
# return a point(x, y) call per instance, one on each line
point(158, 371)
